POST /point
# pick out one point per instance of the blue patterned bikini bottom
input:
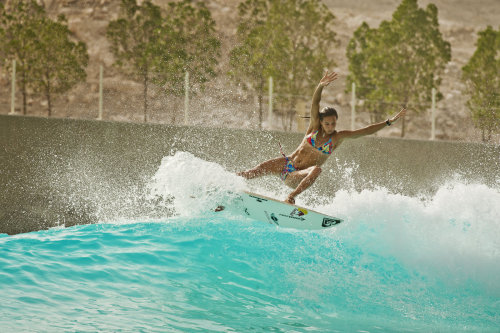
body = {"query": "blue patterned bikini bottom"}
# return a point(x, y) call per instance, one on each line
point(289, 167)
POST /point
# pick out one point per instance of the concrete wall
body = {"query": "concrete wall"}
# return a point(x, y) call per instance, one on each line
point(64, 171)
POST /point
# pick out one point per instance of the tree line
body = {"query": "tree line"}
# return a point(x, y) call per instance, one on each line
point(47, 60)
point(401, 61)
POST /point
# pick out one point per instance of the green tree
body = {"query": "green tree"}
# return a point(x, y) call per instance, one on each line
point(19, 23)
point(160, 46)
point(286, 39)
point(195, 29)
point(46, 59)
point(400, 62)
point(2, 32)
point(252, 61)
point(482, 79)
point(60, 63)
point(136, 41)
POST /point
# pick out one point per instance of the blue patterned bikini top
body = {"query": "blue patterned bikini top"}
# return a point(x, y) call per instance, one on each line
point(326, 148)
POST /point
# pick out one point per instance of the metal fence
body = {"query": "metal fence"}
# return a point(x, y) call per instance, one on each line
point(190, 105)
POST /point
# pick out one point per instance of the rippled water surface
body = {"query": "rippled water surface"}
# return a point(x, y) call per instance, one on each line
point(397, 263)
point(218, 274)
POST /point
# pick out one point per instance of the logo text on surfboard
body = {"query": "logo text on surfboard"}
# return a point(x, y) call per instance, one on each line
point(328, 222)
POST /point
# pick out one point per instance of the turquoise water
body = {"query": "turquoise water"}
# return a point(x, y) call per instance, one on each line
point(221, 275)
point(397, 263)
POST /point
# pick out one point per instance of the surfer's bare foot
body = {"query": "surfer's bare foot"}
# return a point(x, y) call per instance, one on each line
point(290, 200)
point(244, 174)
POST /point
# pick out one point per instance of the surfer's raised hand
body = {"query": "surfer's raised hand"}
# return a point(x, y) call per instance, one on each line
point(328, 78)
point(400, 114)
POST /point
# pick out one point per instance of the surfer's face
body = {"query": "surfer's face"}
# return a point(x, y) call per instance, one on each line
point(329, 123)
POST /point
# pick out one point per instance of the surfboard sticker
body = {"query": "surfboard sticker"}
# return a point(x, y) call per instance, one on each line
point(282, 214)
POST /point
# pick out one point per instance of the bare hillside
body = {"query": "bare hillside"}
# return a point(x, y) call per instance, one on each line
point(223, 104)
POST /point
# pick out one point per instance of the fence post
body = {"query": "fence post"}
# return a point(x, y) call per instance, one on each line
point(13, 89)
point(302, 111)
point(433, 115)
point(186, 97)
point(353, 105)
point(270, 117)
point(100, 92)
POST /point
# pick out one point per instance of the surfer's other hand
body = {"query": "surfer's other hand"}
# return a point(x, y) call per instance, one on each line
point(399, 115)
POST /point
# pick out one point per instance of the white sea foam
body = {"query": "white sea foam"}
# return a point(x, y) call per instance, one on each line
point(193, 184)
point(454, 231)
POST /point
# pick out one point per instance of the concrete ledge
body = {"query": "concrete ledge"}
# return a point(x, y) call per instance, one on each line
point(66, 171)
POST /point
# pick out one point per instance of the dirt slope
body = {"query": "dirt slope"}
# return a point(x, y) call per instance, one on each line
point(224, 104)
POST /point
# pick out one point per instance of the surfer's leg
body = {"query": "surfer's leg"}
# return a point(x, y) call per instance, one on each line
point(301, 180)
point(274, 166)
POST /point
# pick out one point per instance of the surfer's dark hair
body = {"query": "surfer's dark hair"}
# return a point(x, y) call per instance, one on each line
point(328, 111)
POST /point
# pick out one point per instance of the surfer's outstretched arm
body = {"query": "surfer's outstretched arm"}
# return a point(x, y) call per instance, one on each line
point(371, 128)
point(314, 123)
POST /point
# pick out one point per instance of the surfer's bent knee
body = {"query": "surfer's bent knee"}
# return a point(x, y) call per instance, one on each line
point(315, 171)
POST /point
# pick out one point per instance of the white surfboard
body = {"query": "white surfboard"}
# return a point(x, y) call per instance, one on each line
point(282, 214)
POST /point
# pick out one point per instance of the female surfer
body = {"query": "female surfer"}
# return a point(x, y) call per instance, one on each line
point(300, 169)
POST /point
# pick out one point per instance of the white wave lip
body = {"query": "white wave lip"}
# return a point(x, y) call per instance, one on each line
point(193, 183)
point(455, 232)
